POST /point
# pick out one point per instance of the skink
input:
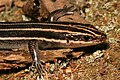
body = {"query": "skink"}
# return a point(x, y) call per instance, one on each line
point(56, 34)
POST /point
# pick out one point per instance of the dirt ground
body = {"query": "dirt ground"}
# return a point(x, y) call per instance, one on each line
point(99, 62)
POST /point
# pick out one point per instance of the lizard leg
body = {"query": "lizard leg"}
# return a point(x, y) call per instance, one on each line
point(33, 48)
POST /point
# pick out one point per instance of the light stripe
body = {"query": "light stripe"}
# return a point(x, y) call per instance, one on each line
point(48, 30)
point(51, 32)
point(62, 26)
point(42, 39)
point(39, 29)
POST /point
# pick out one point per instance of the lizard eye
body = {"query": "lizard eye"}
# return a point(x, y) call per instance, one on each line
point(86, 38)
point(80, 37)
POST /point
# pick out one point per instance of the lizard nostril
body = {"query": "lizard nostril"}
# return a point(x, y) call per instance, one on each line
point(103, 37)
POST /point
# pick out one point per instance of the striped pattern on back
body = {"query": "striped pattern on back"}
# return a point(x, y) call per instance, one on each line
point(51, 30)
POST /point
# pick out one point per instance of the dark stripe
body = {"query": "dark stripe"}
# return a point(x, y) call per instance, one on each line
point(30, 24)
point(45, 34)
point(90, 31)
point(74, 23)
point(80, 25)
point(69, 26)
point(39, 34)
point(43, 26)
